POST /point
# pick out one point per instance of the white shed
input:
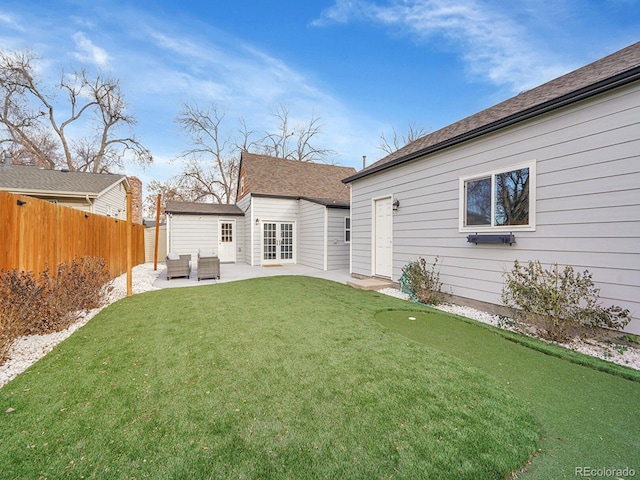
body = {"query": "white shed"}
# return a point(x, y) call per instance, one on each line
point(192, 227)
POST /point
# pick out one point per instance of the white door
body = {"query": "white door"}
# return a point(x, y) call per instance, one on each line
point(277, 243)
point(227, 240)
point(383, 237)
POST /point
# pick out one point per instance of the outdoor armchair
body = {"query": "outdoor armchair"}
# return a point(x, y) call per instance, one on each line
point(178, 265)
point(208, 265)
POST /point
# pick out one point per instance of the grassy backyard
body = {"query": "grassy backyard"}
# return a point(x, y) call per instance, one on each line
point(294, 377)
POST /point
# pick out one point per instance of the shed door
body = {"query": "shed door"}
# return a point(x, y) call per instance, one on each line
point(383, 237)
point(227, 240)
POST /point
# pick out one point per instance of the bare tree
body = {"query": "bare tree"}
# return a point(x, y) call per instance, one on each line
point(40, 135)
point(398, 141)
point(168, 190)
point(210, 168)
point(295, 142)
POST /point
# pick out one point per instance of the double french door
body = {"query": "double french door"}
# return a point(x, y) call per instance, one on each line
point(278, 242)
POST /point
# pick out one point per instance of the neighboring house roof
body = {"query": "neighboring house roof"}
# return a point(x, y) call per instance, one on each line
point(30, 180)
point(617, 69)
point(193, 208)
point(279, 177)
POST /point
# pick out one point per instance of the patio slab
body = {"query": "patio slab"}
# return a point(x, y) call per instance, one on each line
point(230, 272)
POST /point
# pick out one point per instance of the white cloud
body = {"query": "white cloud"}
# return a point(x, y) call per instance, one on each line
point(493, 45)
point(11, 22)
point(87, 51)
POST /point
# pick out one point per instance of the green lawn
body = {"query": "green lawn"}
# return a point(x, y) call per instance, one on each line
point(588, 418)
point(294, 377)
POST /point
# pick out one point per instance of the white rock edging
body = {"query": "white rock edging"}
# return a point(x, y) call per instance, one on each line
point(25, 351)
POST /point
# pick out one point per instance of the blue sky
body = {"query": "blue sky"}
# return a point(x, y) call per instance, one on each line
point(363, 66)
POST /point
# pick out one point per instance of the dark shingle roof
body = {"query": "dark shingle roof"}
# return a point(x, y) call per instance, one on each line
point(29, 179)
point(192, 208)
point(609, 72)
point(317, 182)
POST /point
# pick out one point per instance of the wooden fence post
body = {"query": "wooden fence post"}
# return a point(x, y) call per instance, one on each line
point(155, 248)
point(129, 246)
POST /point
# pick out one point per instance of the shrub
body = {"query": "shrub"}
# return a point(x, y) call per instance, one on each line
point(422, 281)
point(20, 303)
point(49, 303)
point(558, 303)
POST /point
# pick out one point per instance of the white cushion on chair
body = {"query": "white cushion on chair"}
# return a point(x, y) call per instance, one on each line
point(173, 256)
point(207, 253)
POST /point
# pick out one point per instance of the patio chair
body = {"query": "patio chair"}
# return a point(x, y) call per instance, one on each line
point(208, 265)
point(178, 265)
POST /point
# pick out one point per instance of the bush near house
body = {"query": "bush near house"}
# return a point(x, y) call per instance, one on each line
point(422, 281)
point(558, 303)
point(31, 305)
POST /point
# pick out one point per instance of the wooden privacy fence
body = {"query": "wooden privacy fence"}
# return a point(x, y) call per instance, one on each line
point(36, 233)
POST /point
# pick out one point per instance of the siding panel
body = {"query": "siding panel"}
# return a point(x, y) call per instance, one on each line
point(311, 235)
point(338, 249)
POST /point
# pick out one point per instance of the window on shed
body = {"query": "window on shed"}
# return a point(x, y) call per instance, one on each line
point(347, 230)
point(498, 200)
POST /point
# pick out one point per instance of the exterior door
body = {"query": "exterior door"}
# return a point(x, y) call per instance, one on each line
point(227, 240)
point(383, 237)
point(278, 243)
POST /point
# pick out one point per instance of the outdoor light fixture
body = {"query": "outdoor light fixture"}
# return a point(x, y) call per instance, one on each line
point(257, 221)
point(396, 204)
point(21, 203)
point(86, 215)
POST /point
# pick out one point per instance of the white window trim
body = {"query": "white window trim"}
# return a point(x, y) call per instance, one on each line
point(531, 165)
point(344, 237)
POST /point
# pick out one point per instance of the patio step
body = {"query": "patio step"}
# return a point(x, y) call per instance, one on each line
point(371, 283)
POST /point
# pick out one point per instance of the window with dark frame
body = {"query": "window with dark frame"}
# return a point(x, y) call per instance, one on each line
point(500, 199)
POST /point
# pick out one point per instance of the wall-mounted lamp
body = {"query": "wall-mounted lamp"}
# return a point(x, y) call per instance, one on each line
point(21, 203)
point(86, 215)
point(396, 204)
point(257, 221)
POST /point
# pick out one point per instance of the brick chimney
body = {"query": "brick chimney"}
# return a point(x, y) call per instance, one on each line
point(136, 199)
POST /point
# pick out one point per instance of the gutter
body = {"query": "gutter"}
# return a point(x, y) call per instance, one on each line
point(49, 193)
point(583, 93)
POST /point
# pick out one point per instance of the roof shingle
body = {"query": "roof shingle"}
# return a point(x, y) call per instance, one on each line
point(271, 176)
point(30, 179)
point(194, 208)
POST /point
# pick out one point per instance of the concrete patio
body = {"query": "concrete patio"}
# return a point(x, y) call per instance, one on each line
point(230, 272)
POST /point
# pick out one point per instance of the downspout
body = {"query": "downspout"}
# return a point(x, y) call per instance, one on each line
point(252, 227)
point(326, 238)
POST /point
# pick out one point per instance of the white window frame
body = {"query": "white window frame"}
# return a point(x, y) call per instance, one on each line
point(347, 229)
point(531, 165)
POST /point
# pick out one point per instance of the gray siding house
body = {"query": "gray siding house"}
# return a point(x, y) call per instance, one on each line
point(295, 212)
point(99, 193)
point(552, 174)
